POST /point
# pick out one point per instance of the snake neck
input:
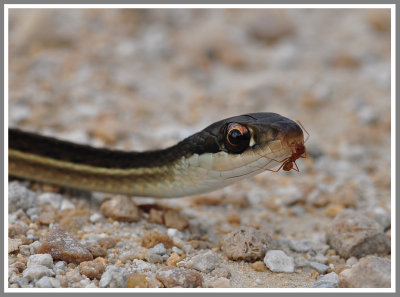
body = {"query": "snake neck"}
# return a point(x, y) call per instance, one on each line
point(158, 173)
point(68, 152)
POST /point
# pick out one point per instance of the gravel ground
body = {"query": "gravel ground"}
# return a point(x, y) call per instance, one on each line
point(145, 79)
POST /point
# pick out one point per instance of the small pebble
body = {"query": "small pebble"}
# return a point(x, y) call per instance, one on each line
point(63, 280)
point(379, 20)
point(333, 209)
point(188, 249)
point(33, 213)
point(178, 242)
point(173, 259)
point(66, 205)
point(353, 234)
point(165, 257)
point(172, 232)
point(174, 219)
point(140, 266)
point(19, 197)
point(44, 282)
point(172, 277)
point(176, 250)
point(19, 266)
point(152, 238)
point(321, 268)
point(19, 281)
point(329, 280)
point(205, 262)
point(153, 258)
point(278, 261)
point(34, 247)
point(137, 280)
point(13, 245)
point(36, 272)
point(41, 259)
point(158, 249)
point(52, 199)
point(234, 199)
point(233, 217)
point(83, 283)
point(298, 210)
point(300, 246)
point(301, 262)
point(74, 220)
point(47, 217)
point(369, 272)
point(128, 255)
point(314, 274)
point(19, 228)
point(12, 271)
point(95, 217)
point(120, 208)
point(92, 269)
point(221, 272)
point(61, 265)
point(114, 277)
point(26, 240)
point(381, 216)
point(18, 217)
point(63, 246)
point(258, 266)
point(320, 258)
point(48, 282)
point(270, 28)
point(31, 234)
point(156, 216)
point(107, 242)
point(96, 250)
point(246, 244)
point(74, 275)
point(351, 261)
point(367, 115)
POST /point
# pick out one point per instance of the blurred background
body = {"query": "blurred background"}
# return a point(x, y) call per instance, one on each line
point(146, 78)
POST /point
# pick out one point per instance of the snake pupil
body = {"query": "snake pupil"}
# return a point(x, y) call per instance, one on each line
point(237, 138)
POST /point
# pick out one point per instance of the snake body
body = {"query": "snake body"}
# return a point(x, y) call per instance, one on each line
point(217, 156)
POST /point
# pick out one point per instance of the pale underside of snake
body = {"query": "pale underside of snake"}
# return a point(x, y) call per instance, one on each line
point(221, 154)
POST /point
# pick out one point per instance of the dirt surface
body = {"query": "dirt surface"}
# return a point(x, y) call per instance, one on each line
point(145, 79)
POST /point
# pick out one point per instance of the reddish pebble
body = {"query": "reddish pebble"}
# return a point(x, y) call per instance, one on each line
point(172, 277)
point(63, 246)
point(120, 208)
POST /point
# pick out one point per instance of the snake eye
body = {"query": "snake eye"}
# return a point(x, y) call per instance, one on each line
point(237, 138)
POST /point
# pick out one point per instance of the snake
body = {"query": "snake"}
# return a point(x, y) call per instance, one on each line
point(219, 155)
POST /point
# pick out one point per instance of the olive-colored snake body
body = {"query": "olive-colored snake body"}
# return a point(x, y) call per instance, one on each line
point(217, 156)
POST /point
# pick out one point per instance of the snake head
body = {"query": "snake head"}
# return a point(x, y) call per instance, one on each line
point(237, 134)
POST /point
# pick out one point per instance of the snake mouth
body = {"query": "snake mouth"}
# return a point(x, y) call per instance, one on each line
point(270, 129)
point(293, 138)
